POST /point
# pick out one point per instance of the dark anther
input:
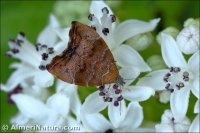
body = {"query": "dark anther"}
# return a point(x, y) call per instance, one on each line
point(90, 17)
point(165, 79)
point(180, 85)
point(8, 54)
point(167, 86)
point(177, 69)
point(185, 74)
point(186, 78)
point(15, 51)
point(109, 99)
point(93, 27)
point(51, 51)
point(115, 86)
point(42, 67)
point(173, 119)
point(120, 98)
point(37, 46)
point(102, 93)
point(105, 31)
point(116, 103)
point(168, 74)
point(22, 34)
point(171, 69)
point(44, 46)
point(105, 9)
point(101, 88)
point(171, 90)
point(45, 56)
point(117, 91)
point(113, 18)
point(19, 42)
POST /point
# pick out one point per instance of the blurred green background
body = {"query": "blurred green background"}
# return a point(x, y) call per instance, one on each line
point(32, 16)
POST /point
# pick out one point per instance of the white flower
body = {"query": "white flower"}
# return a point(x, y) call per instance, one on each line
point(179, 79)
point(129, 120)
point(54, 112)
point(170, 124)
point(27, 70)
point(188, 39)
point(194, 127)
point(103, 20)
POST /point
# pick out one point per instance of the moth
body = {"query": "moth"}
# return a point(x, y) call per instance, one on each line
point(87, 61)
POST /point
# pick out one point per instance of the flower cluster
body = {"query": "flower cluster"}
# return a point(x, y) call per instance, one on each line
point(28, 86)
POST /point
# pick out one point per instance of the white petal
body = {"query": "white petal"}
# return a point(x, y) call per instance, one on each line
point(127, 56)
point(48, 35)
point(154, 79)
point(137, 93)
point(63, 34)
point(130, 28)
point(171, 53)
point(17, 77)
point(179, 103)
point(75, 104)
point(164, 128)
point(30, 107)
point(53, 22)
point(193, 63)
point(129, 74)
point(95, 122)
point(195, 125)
point(117, 114)
point(60, 103)
point(97, 6)
point(43, 79)
point(71, 122)
point(196, 107)
point(19, 119)
point(195, 87)
point(94, 103)
point(134, 117)
point(60, 46)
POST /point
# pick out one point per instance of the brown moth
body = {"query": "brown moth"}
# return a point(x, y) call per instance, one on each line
point(87, 61)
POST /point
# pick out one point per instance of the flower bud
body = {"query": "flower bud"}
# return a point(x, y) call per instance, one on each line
point(170, 31)
point(164, 96)
point(156, 62)
point(188, 39)
point(140, 42)
point(191, 21)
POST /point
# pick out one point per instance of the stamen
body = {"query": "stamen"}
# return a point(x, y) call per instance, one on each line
point(101, 88)
point(177, 69)
point(102, 93)
point(105, 10)
point(120, 98)
point(44, 56)
point(22, 34)
point(42, 67)
point(90, 17)
point(15, 51)
point(105, 31)
point(37, 46)
point(113, 18)
point(51, 50)
point(116, 103)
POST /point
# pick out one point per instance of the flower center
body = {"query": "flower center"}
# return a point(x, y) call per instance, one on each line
point(176, 78)
point(112, 93)
point(46, 54)
point(104, 27)
point(15, 45)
